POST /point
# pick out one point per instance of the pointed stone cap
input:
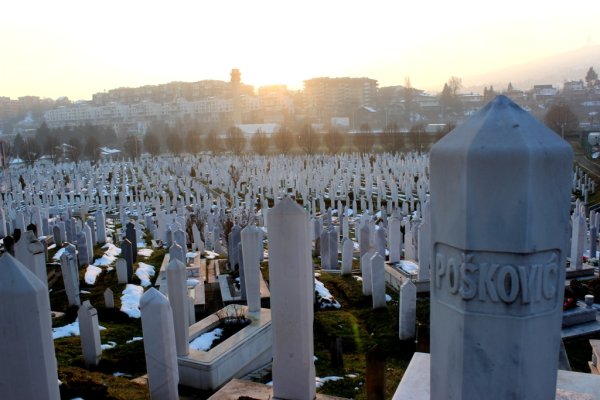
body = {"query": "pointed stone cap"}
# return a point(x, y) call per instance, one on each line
point(175, 264)
point(501, 182)
point(286, 206)
point(153, 297)
point(16, 279)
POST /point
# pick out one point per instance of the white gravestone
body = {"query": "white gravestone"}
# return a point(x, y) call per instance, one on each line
point(292, 292)
point(378, 281)
point(500, 194)
point(365, 268)
point(28, 368)
point(407, 310)
point(89, 333)
point(251, 237)
point(159, 345)
point(179, 300)
point(347, 249)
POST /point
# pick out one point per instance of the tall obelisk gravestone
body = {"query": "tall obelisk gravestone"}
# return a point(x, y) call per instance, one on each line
point(500, 189)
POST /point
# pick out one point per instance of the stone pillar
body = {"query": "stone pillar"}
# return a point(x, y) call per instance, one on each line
point(500, 193)
point(394, 239)
point(121, 266)
point(28, 367)
point(100, 227)
point(109, 298)
point(377, 280)
point(251, 238)
point(159, 345)
point(365, 268)
point(347, 250)
point(179, 300)
point(424, 243)
point(291, 273)
point(70, 274)
point(578, 238)
point(407, 310)
point(89, 333)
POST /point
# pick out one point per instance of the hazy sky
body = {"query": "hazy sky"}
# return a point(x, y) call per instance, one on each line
point(52, 48)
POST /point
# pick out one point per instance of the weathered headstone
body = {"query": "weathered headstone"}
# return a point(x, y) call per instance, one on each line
point(82, 249)
point(100, 226)
point(365, 268)
point(109, 298)
point(127, 253)
point(251, 238)
point(394, 239)
point(424, 243)
point(121, 266)
point(159, 345)
point(500, 193)
point(57, 235)
point(89, 333)
point(347, 249)
point(28, 368)
point(407, 310)
point(291, 278)
point(179, 300)
point(70, 274)
point(377, 281)
point(131, 235)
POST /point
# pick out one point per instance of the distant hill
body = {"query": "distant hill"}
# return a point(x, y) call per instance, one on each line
point(555, 70)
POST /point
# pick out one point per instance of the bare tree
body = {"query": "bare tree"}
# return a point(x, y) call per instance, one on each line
point(284, 139)
point(132, 146)
point(333, 140)
point(192, 142)
point(260, 142)
point(211, 142)
point(308, 139)
point(364, 139)
point(152, 143)
point(561, 119)
point(235, 140)
point(31, 152)
point(74, 149)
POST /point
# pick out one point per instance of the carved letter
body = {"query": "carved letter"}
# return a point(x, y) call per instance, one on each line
point(507, 283)
point(487, 283)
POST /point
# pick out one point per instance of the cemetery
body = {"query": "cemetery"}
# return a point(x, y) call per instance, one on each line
point(463, 273)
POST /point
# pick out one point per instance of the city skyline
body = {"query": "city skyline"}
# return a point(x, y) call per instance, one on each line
point(53, 49)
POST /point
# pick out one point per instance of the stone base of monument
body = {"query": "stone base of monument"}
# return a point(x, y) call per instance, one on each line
point(578, 315)
point(232, 296)
point(397, 273)
point(237, 389)
point(242, 353)
point(570, 385)
point(585, 271)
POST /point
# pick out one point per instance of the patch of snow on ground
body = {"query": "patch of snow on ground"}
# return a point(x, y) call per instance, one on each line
point(388, 298)
point(58, 254)
point(134, 339)
point(210, 255)
point(71, 329)
point(204, 341)
point(191, 254)
point(91, 273)
point(105, 260)
point(144, 272)
point(358, 278)
point(111, 250)
point(192, 283)
point(109, 345)
point(320, 381)
point(130, 300)
point(324, 296)
point(145, 252)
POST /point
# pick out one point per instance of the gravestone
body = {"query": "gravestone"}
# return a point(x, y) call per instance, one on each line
point(292, 292)
point(394, 240)
point(365, 268)
point(100, 226)
point(70, 274)
point(82, 249)
point(251, 238)
point(127, 253)
point(578, 238)
point(179, 300)
point(347, 249)
point(109, 298)
point(364, 240)
point(377, 281)
point(176, 253)
point(159, 345)
point(57, 236)
point(28, 368)
point(89, 333)
point(90, 223)
point(407, 310)
point(131, 235)
point(122, 274)
point(424, 243)
point(500, 194)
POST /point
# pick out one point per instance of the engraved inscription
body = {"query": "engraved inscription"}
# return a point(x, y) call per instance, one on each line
point(482, 279)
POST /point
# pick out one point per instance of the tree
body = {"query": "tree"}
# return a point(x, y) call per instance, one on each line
point(364, 139)
point(308, 139)
point(235, 140)
point(259, 142)
point(211, 142)
point(174, 142)
point(92, 148)
point(333, 140)
point(415, 136)
point(591, 78)
point(284, 139)
point(152, 143)
point(52, 147)
point(192, 142)
point(455, 84)
point(75, 149)
point(561, 119)
point(132, 146)
point(31, 151)
point(18, 146)
point(391, 137)
point(488, 94)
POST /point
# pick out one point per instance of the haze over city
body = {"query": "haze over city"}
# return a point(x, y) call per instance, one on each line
point(61, 48)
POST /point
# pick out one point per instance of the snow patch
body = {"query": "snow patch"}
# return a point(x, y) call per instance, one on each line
point(91, 273)
point(205, 341)
point(130, 300)
point(144, 272)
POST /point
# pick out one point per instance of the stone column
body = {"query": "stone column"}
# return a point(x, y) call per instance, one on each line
point(70, 274)
point(347, 250)
point(179, 299)
point(89, 333)
point(251, 238)
point(159, 345)
point(377, 281)
point(291, 273)
point(28, 367)
point(365, 268)
point(424, 243)
point(407, 310)
point(500, 192)
point(394, 239)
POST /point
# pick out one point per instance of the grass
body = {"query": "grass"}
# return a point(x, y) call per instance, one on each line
point(361, 328)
